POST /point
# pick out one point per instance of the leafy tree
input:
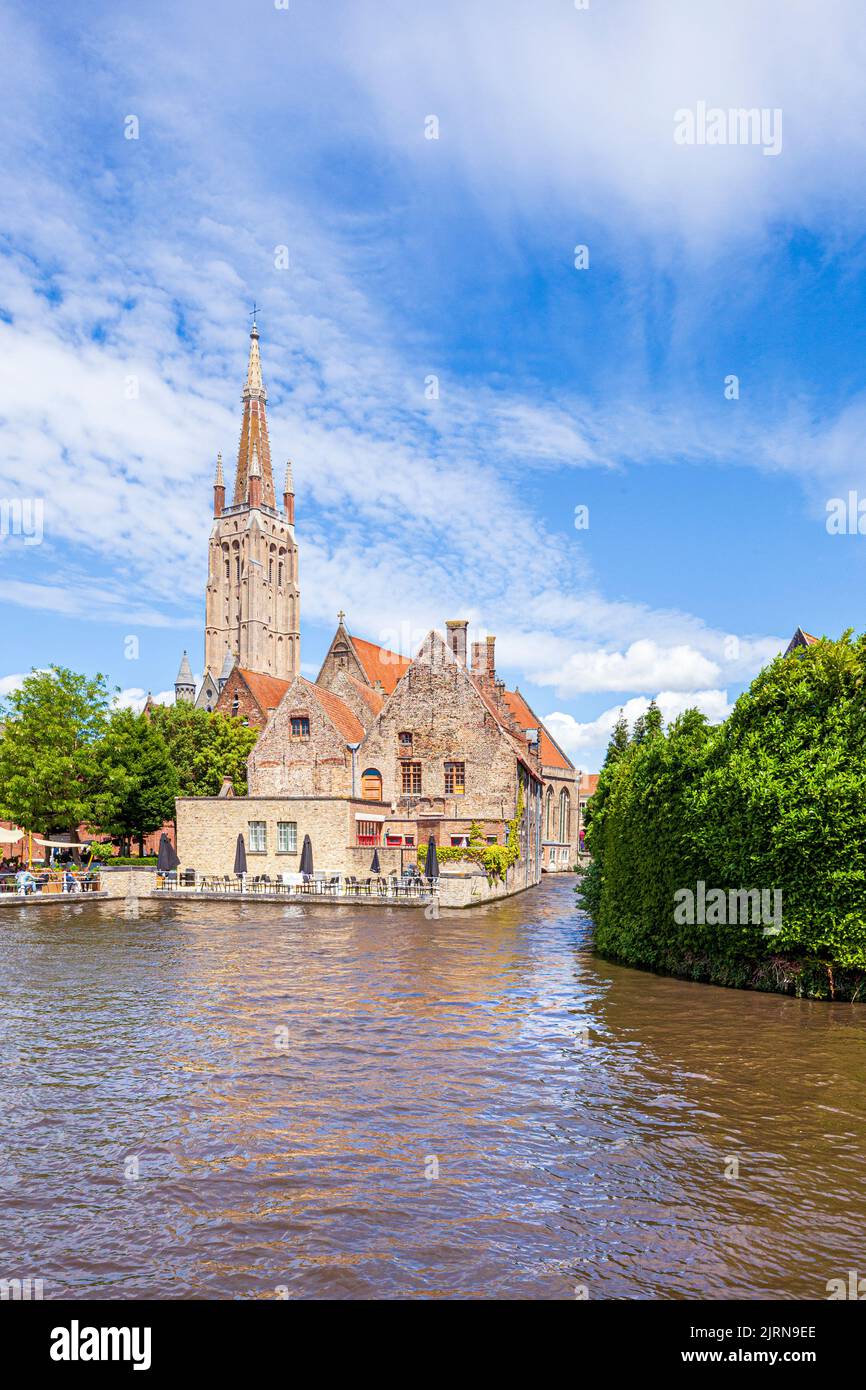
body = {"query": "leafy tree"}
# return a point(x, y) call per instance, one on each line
point(49, 771)
point(138, 773)
point(773, 800)
point(653, 720)
point(618, 741)
point(204, 748)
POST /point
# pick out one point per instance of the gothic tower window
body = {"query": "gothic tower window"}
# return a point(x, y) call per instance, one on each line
point(564, 814)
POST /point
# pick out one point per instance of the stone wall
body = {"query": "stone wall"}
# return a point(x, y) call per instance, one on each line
point(281, 765)
point(438, 705)
point(208, 829)
point(248, 708)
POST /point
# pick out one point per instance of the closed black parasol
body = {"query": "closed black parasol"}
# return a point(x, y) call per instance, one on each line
point(166, 859)
point(240, 857)
point(374, 867)
point(431, 863)
point(307, 856)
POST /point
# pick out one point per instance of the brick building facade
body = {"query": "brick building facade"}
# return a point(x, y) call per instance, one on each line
point(383, 751)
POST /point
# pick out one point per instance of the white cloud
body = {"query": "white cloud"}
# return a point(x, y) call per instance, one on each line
point(586, 742)
point(642, 666)
point(135, 698)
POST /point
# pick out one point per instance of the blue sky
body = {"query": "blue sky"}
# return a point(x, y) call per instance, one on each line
point(260, 128)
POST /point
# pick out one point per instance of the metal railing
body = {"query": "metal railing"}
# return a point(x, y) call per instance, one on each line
point(318, 885)
point(42, 882)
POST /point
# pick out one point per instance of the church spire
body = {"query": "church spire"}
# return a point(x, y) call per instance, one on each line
point(254, 430)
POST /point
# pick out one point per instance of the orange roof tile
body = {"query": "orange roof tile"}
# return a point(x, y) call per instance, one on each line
point(380, 664)
point(371, 697)
point(267, 691)
point(348, 724)
point(588, 783)
point(551, 755)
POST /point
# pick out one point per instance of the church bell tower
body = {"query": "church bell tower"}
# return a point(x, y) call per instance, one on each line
point(252, 612)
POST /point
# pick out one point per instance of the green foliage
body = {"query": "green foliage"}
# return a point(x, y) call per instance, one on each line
point(204, 748)
point(135, 765)
point(49, 764)
point(775, 798)
point(495, 860)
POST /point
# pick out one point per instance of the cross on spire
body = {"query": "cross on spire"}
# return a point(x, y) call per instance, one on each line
point(254, 313)
point(340, 616)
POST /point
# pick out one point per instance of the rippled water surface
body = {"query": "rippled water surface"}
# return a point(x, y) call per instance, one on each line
point(288, 1078)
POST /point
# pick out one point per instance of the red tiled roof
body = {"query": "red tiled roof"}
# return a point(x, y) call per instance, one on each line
point(267, 691)
point(588, 783)
point(551, 756)
point(380, 664)
point(348, 724)
point(371, 697)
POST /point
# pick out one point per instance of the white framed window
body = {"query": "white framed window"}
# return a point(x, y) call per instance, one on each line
point(287, 837)
point(258, 837)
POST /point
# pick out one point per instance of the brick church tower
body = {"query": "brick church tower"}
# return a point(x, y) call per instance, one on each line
point(252, 614)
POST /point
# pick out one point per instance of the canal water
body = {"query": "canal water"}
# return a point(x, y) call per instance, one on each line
point(218, 1101)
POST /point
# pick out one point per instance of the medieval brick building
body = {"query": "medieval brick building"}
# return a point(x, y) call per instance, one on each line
point(382, 751)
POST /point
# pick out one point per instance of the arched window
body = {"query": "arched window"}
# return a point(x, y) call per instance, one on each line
point(371, 784)
point(271, 570)
point(280, 573)
point(564, 814)
point(548, 814)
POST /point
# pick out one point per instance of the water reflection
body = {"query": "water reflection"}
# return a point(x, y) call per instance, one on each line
point(288, 1078)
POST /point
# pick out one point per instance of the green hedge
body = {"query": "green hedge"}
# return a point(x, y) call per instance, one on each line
point(775, 798)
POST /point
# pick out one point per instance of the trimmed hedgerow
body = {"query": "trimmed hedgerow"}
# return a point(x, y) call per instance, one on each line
point(774, 798)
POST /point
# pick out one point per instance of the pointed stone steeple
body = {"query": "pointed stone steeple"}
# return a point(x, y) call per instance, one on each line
point(252, 608)
point(184, 683)
point(228, 667)
point(254, 429)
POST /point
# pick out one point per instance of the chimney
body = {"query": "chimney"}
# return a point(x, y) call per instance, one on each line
point(219, 488)
point(478, 658)
point(457, 629)
point(491, 659)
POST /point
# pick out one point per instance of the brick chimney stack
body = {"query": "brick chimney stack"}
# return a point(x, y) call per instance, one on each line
point(490, 671)
point(457, 630)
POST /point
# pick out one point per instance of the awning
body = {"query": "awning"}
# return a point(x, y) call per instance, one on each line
point(57, 844)
point(363, 815)
point(11, 837)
